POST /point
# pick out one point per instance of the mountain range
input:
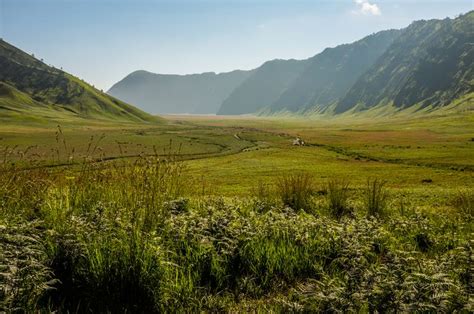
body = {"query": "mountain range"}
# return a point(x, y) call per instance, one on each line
point(429, 63)
point(162, 93)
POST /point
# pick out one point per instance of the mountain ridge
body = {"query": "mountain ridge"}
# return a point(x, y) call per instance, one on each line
point(263, 87)
point(333, 71)
point(430, 62)
point(29, 83)
point(190, 93)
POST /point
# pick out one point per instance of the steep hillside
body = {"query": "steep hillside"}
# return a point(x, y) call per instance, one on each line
point(430, 63)
point(161, 93)
point(29, 86)
point(263, 87)
point(330, 74)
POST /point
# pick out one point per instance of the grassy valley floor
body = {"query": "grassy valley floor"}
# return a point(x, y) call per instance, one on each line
point(225, 214)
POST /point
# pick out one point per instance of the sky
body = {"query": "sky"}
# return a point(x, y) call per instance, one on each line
point(102, 41)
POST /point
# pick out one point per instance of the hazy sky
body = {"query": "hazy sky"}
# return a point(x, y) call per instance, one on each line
point(101, 41)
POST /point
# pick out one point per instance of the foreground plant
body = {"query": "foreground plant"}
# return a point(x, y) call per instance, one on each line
point(295, 190)
point(464, 202)
point(375, 197)
point(337, 197)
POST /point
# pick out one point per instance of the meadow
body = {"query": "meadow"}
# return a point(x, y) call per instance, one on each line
point(225, 214)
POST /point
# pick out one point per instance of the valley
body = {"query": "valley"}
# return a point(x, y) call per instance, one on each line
point(343, 182)
point(245, 150)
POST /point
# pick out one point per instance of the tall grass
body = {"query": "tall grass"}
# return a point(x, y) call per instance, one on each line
point(24, 275)
point(463, 201)
point(337, 197)
point(295, 190)
point(116, 270)
point(263, 195)
point(22, 191)
point(375, 197)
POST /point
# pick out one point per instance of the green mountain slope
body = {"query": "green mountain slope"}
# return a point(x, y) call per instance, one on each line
point(331, 73)
point(430, 64)
point(31, 88)
point(263, 87)
point(165, 93)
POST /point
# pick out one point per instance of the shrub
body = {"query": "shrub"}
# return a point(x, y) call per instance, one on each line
point(295, 190)
point(337, 197)
point(375, 197)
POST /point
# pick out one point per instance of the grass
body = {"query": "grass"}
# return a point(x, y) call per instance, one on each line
point(295, 191)
point(337, 198)
point(212, 221)
point(464, 202)
point(376, 197)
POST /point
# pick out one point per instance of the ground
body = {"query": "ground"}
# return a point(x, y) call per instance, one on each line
point(209, 213)
point(232, 153)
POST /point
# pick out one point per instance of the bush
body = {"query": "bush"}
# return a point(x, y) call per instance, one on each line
point(295, 190)
point(375, 197)
point(337, 197)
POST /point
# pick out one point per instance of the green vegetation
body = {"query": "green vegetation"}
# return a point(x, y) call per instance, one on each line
point(295, 191)
point(330, 74)
point(376, 197)
point(430, 64)
point(211, 214)
point(33, 91)
point(337, 198)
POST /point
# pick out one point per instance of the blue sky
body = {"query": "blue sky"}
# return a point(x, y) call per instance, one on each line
point(101, 41)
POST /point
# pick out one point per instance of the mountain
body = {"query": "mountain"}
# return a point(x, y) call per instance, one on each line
point(430, 63)
point(266, 84)
point(330, 74)
point(30, 88)
point(163, 93)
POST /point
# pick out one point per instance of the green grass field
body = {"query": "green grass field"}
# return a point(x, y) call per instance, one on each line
point(224, 214)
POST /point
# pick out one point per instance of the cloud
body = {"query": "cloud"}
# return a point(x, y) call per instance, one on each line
point(366, 8)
